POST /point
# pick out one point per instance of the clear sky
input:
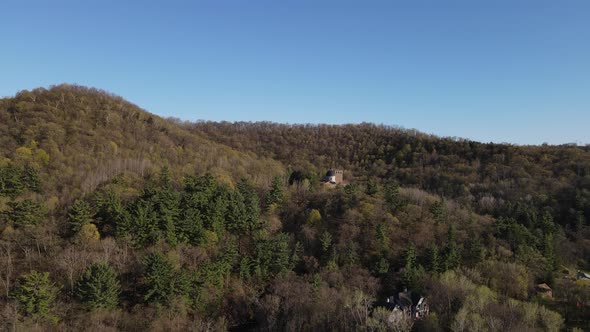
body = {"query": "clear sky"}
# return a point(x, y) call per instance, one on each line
point(491, 70)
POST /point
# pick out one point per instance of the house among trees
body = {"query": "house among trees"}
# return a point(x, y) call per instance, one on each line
point(334, 176)
point(543, 290)
point(403, 307)
point(583, 275)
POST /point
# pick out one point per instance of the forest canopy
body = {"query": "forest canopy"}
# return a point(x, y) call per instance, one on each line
point(112, 218)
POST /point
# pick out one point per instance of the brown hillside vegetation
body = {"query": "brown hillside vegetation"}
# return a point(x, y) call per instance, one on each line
point(82, 136)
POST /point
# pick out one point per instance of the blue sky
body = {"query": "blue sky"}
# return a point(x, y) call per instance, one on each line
point(504, 70)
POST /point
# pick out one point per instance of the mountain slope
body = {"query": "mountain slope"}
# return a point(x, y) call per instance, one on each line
point(475, 173)
point(82, 136)
point(109, 221)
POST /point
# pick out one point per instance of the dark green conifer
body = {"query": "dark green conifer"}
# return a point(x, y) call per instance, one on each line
point(99, 287)
point(35, 294)
point(80, 214)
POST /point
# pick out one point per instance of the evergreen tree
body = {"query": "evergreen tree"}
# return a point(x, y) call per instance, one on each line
point(438, 211)
point(280, 261)
point(297, 256)
point(351, 254)
point(434, 261)
point(351, 192)
point(189, 227)
point(412, 270)
point(11, 183)
point(275, 195)
point(475, 251)
point(372, 187)
point(547, 225)
point(35, 294)
point(393, 198)
point(236, 221)
point(167, 209)
point(549, 252)
point(80, 214)
point(273, 256)
point(99, 287)
point(325, 248)
point(246, 266)
point(143, 226)
point(25, 213)
point(159, 279)
point(251, 207)
point(30, 178)
point(113, 212)
point(382, 239)
point(411, 257)
point(206, 200)
point(382, 266)
point(165, 178)
point(217, 209)
point(453, 252)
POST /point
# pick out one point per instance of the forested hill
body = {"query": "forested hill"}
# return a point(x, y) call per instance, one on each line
point(79, 137)
point(472, 172)
point(114, 219)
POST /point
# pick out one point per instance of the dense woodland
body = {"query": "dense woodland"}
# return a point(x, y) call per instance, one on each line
point(112, 218)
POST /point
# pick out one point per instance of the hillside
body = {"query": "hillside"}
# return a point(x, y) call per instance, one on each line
point(482, 176)
point(81, 136)
point(114, 219)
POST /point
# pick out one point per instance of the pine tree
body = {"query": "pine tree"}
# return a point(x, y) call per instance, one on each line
point(80, 214)
point(382, 266)
point(372, 187)
point(165, 178)
point(453, 251)
point(412, 270)
point(325, 247)
point(351, 255)
point(206, 200)
point(167, 208)
point(351, 192)
point(246, 266)
point(297, 256)
point(549, 252)
point(439, 212)
point(143, 222)
point(236, 221)
point(11, 183)
point(35, 294)
point(110, 208)
point(475, 251)
point(393, 198)
point(30, 178)
point(281, 253)
point(99, 287)
point(159, 279)
point(547, 225)
point(382, 239)
point(275, 196)
point(251, 207)
point(434, 260)
point(25, 213)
